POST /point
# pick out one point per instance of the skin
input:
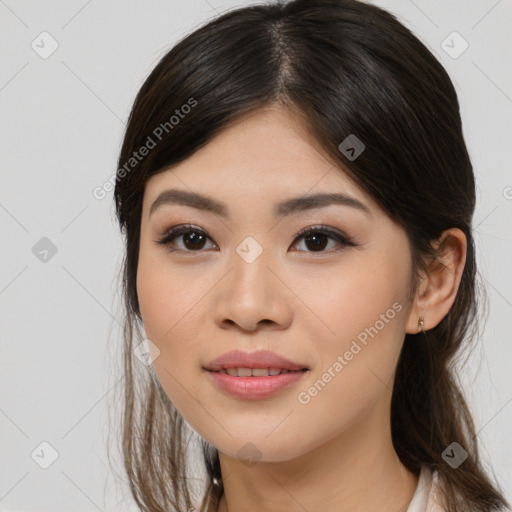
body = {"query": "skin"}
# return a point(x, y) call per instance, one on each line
point(335, 452)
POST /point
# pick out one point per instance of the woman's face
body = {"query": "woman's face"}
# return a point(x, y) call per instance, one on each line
point(333, 302)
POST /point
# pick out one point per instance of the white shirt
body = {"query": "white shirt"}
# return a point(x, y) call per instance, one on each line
point(424, 499)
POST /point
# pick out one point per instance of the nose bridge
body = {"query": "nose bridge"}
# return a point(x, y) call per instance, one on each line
point(250, 250)
point(250, 273)
point(251, 293)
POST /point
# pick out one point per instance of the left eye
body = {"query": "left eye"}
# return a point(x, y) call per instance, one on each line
point(318, 238)
point(194, 239)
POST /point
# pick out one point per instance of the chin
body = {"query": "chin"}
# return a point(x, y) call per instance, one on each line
point(260, 449)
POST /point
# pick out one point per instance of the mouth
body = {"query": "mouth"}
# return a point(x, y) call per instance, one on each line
point(256, 372)
point(254, 375)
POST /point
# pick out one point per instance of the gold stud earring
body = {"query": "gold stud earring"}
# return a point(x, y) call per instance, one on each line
point(421, 324)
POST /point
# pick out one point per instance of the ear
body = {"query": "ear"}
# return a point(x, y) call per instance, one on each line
point(438, 288)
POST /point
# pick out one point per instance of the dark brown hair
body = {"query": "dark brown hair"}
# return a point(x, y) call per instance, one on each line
point(344, 67)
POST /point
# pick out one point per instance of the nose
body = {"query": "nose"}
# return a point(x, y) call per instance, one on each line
point(253, 296)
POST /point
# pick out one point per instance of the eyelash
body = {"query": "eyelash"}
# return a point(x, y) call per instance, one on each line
point(173, 233)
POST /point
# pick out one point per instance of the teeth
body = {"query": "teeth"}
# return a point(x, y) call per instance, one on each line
point(254, 372)
point(260, 372)
point(244, 372)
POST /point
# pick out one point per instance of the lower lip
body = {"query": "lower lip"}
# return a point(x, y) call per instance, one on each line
point(254, 388)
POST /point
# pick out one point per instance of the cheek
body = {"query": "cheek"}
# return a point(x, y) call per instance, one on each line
point(362, 313)
point(155, 306)
point(357, 364)
point(354, 297)
point(168, 296)
point(172, 305)
point(168, 314)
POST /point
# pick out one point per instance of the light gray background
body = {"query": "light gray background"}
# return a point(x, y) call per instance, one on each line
point(62, 121)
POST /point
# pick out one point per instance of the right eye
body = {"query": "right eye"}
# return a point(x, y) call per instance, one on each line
point(193, 238)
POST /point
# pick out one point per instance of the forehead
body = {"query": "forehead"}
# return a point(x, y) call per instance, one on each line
point(265, 155)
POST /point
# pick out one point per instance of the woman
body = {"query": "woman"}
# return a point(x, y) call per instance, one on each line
point(297, 197)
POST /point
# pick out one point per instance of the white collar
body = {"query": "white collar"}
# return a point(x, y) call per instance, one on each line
point(422, 500)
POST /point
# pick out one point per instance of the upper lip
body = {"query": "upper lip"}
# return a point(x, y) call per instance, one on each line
point(258, 359)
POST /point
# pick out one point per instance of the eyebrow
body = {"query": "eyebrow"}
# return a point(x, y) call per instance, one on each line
point(284, 208)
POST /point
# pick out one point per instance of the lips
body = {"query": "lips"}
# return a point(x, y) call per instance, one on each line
point(254, 375)
point(254, 364)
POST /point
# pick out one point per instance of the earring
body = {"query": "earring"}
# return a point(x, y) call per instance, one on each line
point(421, 323)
